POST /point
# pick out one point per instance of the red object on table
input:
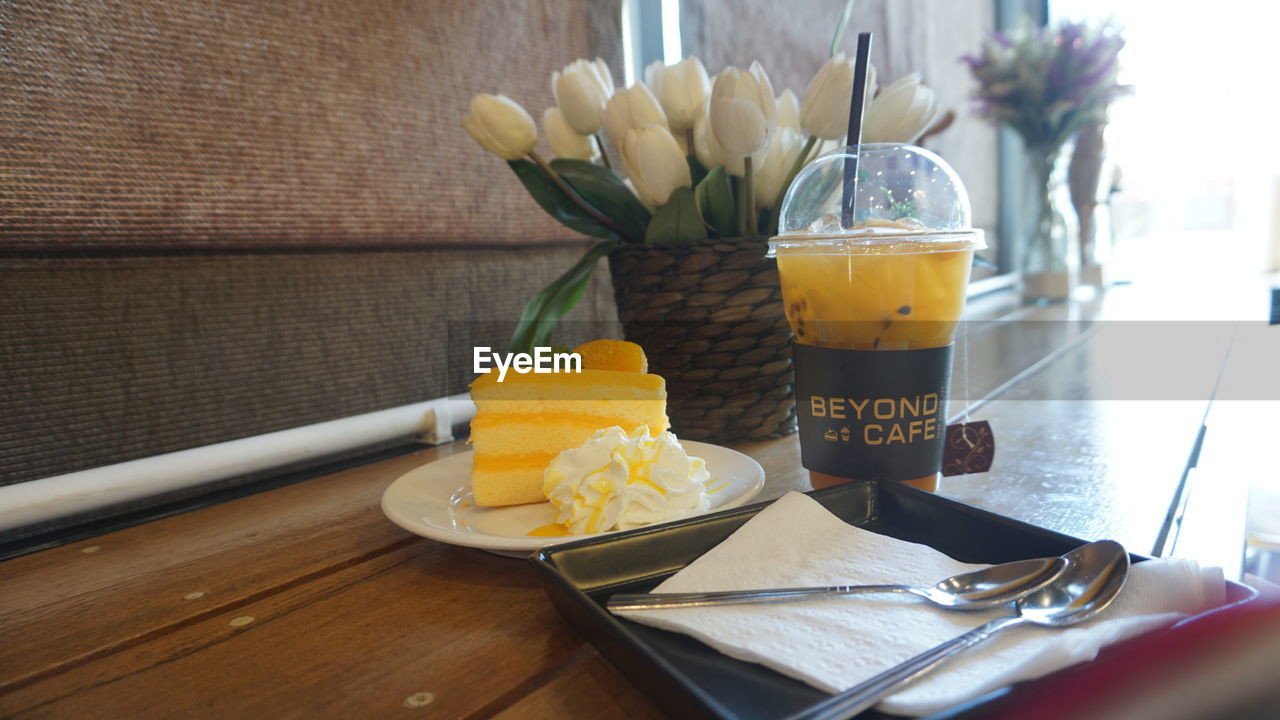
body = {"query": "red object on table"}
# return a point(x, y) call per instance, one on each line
point(1220, 665)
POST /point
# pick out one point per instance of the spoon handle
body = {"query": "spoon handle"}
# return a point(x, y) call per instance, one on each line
point(653, 601)
point(871, 691)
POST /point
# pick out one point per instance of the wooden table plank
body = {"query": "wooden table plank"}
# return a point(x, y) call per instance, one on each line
point(68, 605)
point(1096, 456)
point(1085, 468)
point(189, 637)
point(1096, 441)
point(590, 688)
point(473, 629)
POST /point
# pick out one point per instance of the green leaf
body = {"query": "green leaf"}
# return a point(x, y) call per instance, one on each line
point(840, 27)
point(677, 221)
point(714, 197)
point(545, 309)
point(605, 192)
point(558, 205)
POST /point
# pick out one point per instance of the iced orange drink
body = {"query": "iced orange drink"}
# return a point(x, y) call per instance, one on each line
point(877, 298)
point(874, 308)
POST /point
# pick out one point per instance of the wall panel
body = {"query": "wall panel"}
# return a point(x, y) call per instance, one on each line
point(111, 359)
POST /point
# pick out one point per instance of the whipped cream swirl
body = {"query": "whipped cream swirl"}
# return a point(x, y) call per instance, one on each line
point(618, 481)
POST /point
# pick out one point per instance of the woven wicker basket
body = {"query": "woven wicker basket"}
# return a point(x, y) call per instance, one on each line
point(709, 316)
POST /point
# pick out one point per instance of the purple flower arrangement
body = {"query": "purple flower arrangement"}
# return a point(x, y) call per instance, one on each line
point(1046, 83)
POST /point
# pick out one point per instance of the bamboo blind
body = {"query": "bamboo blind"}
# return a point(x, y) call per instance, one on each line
point(299, 123)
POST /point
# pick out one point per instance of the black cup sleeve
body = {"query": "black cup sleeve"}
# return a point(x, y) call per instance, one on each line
point(872, 414)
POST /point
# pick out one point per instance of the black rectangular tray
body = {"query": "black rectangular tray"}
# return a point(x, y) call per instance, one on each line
point(688, 679)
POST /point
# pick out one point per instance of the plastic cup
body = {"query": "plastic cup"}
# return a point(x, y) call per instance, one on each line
point(890, 291)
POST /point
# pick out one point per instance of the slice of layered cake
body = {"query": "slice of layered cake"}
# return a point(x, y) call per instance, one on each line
point(523, 422)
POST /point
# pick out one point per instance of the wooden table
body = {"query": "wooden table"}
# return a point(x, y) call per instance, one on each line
point(306, 601)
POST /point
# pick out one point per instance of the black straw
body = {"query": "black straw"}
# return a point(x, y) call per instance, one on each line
point(855, 129)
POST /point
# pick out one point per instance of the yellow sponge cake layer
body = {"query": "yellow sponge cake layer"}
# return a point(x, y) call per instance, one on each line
point(522, 423)
point(504, 479)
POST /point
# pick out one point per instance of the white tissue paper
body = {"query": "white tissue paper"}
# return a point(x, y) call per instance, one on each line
point(835, 643)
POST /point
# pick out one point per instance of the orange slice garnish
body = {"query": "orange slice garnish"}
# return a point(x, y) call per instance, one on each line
point(613, 355)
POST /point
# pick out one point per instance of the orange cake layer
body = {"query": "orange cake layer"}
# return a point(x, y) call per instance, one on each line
point(522, 423)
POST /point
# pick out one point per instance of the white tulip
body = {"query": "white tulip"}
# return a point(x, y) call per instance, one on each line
point(682, 139)
point(788, 110)
point(501, 126)
point(681, 88)
point(702, 142)
point(566, 142)
point(774, 164)
point(655, 163)
point(824, 111)
point(743, 110)
point(629, 109)
point(581, 90)
point(708, 149)
point(901, 113)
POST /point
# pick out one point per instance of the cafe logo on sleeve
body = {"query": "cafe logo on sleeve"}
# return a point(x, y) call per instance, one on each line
point(884, 421)
point(872, 414)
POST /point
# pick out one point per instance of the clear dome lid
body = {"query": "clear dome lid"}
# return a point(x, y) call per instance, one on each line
point(903, 194)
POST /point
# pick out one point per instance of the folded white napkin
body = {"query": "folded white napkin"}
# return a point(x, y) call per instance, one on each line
point(834, 644)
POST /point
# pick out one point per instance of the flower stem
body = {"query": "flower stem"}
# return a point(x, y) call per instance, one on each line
point(748, 176)
point(576, 199)
point(603, 154)
point(772, 228)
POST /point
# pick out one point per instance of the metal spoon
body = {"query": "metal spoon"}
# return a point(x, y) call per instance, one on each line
point(986, 588)
point(1094, 576)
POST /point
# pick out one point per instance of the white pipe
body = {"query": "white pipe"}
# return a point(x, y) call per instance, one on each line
point(27, 503)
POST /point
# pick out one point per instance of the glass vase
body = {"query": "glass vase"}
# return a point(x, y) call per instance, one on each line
point(1050, 257)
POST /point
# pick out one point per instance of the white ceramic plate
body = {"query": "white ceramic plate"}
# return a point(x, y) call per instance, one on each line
point(435, 501)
